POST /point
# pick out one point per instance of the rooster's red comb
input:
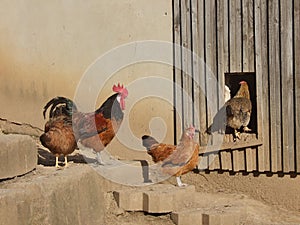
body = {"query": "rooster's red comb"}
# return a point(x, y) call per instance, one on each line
point(120, 89)
point(243, 82)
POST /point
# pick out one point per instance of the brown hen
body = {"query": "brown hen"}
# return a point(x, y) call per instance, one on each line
point(58, 137)
point(175, 160)
point(238, 110)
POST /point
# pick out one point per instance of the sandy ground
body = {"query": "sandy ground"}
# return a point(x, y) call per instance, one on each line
point(269, 200)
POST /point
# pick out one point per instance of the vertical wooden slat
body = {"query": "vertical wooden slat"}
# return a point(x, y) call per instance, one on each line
point(249, 163)
point(235, 161)
point(202, 94)
point(196, 62)
point(222, 62)
point(238, 160)
point(274, 85)
point(203, 162)
point(222, 43)
point(226, 160)
point(287, 86)
point(248, 58)
point(215, 161)
point(235, 36)
point(211, 68)
point(235, 51)
point(183, 59)
point(262, 84)
point(297, 79)
point(211, 161)
point(177, 69)
point(248, 36)
point(251, 159)
point(186, 63)
point(222, 53)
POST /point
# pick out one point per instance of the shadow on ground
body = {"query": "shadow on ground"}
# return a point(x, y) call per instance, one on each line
point(46, 158)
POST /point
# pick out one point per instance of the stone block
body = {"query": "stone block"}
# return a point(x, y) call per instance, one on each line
point(18, 155)
point(187, 217)
point(69, 196)
point(162, 198)
point(129, 200)
point(159, 201)
point(221, 218)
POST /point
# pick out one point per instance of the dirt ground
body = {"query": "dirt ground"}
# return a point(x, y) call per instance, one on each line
point(269, 200)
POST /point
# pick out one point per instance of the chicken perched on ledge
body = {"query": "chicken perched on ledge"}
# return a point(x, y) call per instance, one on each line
point(175, 160)
point(93, 130)
point(238, 110)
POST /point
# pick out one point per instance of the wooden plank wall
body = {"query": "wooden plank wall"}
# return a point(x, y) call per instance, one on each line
point(227, 36)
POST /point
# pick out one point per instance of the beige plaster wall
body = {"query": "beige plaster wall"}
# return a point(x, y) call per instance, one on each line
point(46, 46)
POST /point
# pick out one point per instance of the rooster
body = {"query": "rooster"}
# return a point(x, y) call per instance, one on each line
point(96, 129)
point(238, 110)
point(175, 160)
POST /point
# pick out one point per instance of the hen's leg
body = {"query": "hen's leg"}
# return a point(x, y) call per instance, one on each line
point(56, 162)
point(236, 135)
point(66, 161)
point(179, 183)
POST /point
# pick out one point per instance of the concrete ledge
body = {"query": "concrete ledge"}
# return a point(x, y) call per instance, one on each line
point(69, 196)
point(18, 155)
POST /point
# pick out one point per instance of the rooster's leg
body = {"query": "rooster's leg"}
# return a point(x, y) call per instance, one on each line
point(99, 159)
point(180, 184)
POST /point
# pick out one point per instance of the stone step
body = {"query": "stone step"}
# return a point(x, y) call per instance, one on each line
point(18, 155)
point(125, 172)
point(157, 198)
point(180, 202)
point(216, 215)
point(71, 195)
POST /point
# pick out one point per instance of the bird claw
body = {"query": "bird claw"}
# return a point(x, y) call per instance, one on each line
point(246, 129)
point(179, 183)
point(59, 167)
point(236, 135)
point(100, 163)
point(183, 185)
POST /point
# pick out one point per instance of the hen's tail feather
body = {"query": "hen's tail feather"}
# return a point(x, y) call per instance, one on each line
point(148, 141)
point(54, 102)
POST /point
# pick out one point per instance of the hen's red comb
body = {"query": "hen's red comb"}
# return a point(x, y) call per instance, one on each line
point(243, 82)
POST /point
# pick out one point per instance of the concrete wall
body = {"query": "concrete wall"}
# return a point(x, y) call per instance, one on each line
point(46, 46)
